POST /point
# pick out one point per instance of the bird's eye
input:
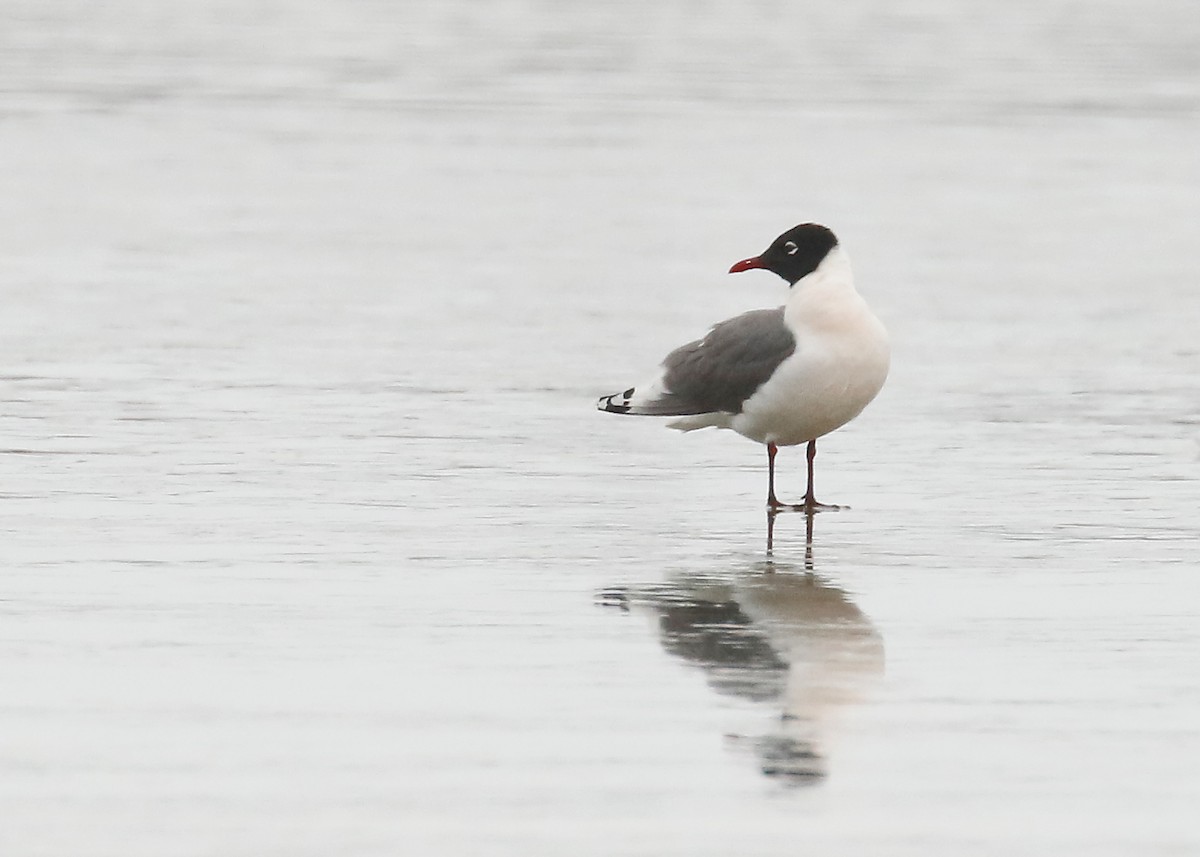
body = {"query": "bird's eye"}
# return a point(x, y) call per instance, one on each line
point(790, 248)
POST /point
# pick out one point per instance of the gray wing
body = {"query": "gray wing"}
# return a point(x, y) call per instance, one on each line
point(722, 370)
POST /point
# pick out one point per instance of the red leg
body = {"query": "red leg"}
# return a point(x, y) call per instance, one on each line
point(810, 497)
point(810, 503)
point(772, 500)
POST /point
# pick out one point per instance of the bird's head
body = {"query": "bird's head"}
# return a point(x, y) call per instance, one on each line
point(794, 254)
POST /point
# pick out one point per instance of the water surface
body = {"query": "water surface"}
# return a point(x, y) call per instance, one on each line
point(312, 541)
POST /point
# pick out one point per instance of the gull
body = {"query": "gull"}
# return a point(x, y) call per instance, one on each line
point(783, 376)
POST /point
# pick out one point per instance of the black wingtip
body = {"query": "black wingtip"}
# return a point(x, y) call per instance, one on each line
point(606, 403)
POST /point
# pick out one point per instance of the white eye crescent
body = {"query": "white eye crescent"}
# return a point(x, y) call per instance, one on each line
point(790, 248)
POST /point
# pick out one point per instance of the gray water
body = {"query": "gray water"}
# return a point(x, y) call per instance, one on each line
point(313, 543)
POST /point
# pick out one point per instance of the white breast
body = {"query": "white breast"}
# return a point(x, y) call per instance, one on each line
point(840, 363)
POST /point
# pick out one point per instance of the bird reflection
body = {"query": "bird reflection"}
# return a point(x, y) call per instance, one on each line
point(776, 634)
point(773, 512)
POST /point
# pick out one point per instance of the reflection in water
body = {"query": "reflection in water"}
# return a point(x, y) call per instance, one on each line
point(775, 634)
point(772, 514)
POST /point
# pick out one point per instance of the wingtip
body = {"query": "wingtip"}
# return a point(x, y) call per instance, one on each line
point(607, 404)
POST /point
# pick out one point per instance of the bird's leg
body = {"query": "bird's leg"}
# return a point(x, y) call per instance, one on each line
point(810, 499)
point(772, 501)
point(809, 507)
point(810, 504)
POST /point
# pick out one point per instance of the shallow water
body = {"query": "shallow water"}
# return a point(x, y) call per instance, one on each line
point(313, 542)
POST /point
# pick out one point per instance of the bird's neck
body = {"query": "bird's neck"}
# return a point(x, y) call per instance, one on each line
point(829, 278)
point(834, 269)
point(826, 292)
